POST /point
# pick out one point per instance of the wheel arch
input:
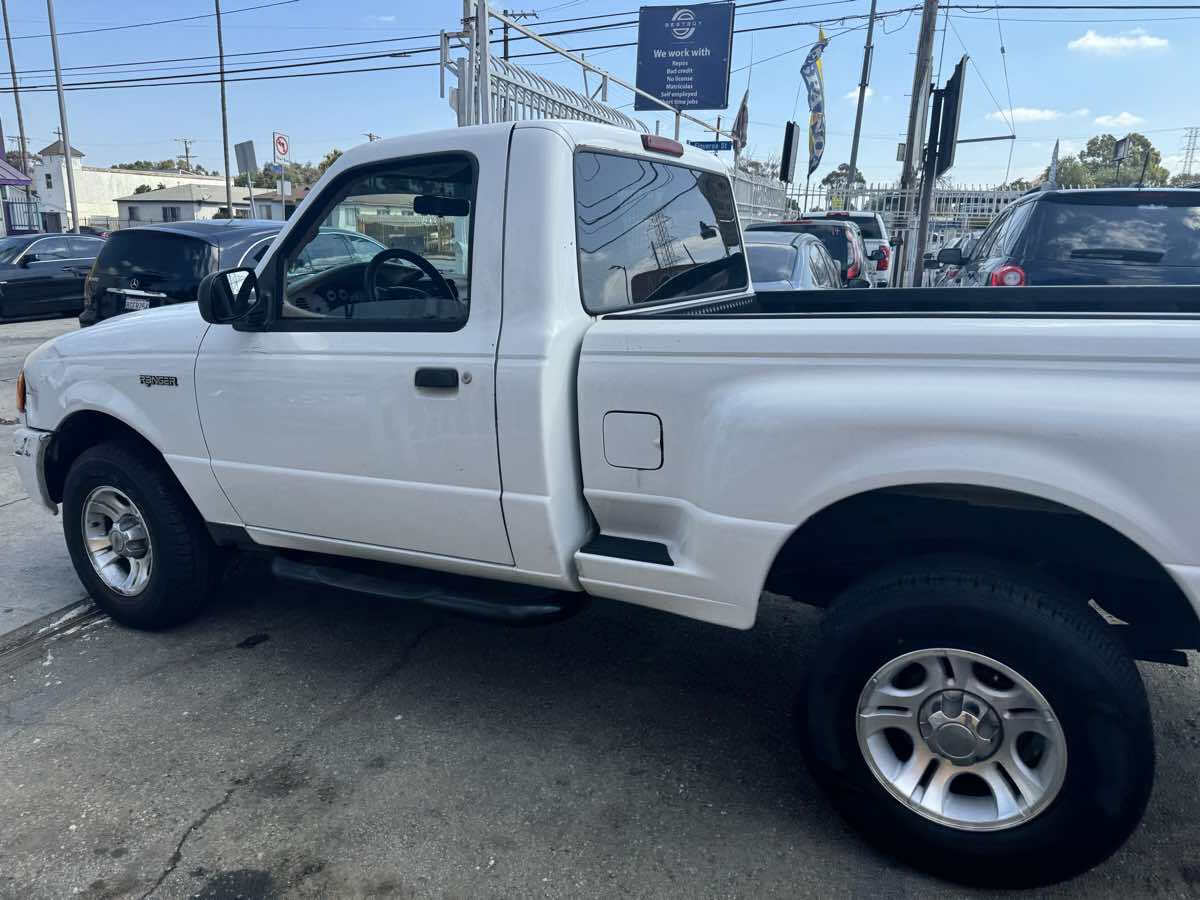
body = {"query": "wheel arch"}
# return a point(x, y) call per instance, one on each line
point(83, 429)
point(865, 532)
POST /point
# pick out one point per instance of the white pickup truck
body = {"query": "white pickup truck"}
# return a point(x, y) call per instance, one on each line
point(557, 382)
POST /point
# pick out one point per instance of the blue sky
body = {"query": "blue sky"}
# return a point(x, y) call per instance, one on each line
point(1071, 74)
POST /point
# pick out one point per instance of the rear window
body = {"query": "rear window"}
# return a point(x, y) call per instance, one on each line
point(651, 231)
point(832, 236)
point(156, 258)
point(1151, 228)
point(771, 262)
point(868, 225)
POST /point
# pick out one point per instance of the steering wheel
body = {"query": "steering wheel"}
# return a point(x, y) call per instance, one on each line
point(435, 277)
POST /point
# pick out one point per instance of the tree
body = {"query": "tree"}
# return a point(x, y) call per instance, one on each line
point(763, 168)
point(1094, 166)
point(142, 189)
point(840, 176)
point(163, 165)
point(328, 160)
point(1182, 180)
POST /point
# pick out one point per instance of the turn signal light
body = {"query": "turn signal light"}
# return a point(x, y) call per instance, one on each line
point(21, 391)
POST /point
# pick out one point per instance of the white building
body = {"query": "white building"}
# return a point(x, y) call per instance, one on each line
point(95, 187)
point(182, 203)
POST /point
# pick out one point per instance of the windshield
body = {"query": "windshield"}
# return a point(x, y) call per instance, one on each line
point(771, 262)
point(1152, 228)
point(10, 249)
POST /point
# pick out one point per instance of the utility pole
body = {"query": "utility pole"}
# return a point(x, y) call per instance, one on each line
point(22, 148)
point(1191, 140)
point(515, 16)
point(917, 113)
point(62, 117)
point(187, 152)
point(868, 51)
point(224, 115)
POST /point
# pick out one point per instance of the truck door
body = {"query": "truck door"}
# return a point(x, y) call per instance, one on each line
point(364, 409)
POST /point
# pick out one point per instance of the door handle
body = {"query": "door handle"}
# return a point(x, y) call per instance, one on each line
point(437, 378)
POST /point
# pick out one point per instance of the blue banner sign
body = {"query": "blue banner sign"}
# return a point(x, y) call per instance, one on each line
point(712, 145)
point(683, 55)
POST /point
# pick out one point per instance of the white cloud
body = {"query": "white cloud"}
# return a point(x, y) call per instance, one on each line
point(1025, 114)
point(853, 95)
point(1134, 41)
point(1120, 120)
point(1081, 112)
point(381, 20)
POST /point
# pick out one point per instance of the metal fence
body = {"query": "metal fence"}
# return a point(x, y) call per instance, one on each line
point(22, 216)
point(517, 94)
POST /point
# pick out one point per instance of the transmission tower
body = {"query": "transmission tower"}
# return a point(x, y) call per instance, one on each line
point(1191, 147)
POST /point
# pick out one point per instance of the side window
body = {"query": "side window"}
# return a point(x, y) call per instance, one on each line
point(82, 247)
point(411, 271)
point(652, 231)
point(51, 248)
point(1007, 241)
point(816, 262)
point(983, 249)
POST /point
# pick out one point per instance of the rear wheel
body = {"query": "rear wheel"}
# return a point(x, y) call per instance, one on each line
point(979, 723)
point(137, 543)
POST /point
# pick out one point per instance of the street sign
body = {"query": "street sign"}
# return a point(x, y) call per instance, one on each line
point(712, 145)
point(791, 149)
point(952, 104)
point(900, 148)
point(683, 55)
point(246, 162)
point(1121, 149)
point(276, 168)
point(281, 144)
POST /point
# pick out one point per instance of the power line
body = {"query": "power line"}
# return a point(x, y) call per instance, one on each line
point(199, 77)
point(25, 37)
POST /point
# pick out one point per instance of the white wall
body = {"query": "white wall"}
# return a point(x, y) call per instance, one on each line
point(97, 189)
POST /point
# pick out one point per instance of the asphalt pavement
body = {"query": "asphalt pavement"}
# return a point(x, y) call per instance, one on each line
point(295, 742)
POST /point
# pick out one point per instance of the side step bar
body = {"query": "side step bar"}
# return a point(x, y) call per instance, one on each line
point(476, 598)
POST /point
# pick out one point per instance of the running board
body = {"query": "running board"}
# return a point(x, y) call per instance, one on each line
point(477, 598)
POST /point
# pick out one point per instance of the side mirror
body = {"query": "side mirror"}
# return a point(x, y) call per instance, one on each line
point(876, 255)
point(950, 256)
point(227, 296)
point(27, 259)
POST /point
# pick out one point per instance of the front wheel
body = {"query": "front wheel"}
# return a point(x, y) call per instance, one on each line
point(137, 543)
point(980, 723)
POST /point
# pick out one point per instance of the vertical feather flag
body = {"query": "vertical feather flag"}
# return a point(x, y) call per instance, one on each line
point(814, 80)
point(741, 124)
point(1052, 175)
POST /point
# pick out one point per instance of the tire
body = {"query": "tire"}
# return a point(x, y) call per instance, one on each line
point(1082, 804)
point(177, 553)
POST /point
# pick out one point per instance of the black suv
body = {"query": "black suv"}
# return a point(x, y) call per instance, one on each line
point(153, 265)
point(1092, 236)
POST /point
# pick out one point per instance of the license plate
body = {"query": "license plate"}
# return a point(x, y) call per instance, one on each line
point(132, 303)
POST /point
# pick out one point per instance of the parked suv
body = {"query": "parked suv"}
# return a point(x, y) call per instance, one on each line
point(154, 265)
point(842, 239)
point(875, 237)
point(160, 264)
point(43, 274)
point(1121, 236)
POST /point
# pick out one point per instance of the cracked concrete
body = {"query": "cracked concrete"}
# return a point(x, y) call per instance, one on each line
point(304, 743)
